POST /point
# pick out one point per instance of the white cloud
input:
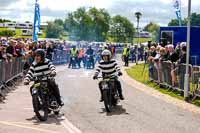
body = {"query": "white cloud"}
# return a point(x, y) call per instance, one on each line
point(73, 4)
point(160, 11)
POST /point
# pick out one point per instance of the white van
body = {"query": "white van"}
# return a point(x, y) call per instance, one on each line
point(26, 32)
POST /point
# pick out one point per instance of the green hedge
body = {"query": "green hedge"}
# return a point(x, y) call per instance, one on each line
point(7, 32)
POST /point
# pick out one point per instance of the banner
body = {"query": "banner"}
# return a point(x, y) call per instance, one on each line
point(177, 6)
point(36, 26)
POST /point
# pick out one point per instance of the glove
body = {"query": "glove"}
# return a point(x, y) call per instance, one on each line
point(26, 82)
point(94, 77)
point(53, 73)
point(120, 74)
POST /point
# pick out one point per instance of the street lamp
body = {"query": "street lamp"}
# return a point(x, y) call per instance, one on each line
point(186, 83)
point(138, 16)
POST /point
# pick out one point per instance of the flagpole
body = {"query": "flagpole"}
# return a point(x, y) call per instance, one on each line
point(33, 38)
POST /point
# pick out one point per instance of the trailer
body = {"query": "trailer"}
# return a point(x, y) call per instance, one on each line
point(175, 35)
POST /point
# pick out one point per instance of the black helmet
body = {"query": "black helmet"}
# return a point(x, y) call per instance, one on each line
point(41, 53)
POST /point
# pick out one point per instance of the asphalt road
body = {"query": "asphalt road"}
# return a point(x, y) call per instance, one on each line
point(138, 113)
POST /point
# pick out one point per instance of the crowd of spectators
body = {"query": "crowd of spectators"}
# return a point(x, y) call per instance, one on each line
point(11, 48)
point(176, 56)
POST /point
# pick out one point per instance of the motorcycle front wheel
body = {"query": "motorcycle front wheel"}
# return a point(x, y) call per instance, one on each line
point(40, 107)
point(107, 100)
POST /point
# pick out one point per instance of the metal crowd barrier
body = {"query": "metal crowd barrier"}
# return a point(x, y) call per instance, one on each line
point(153, 73)
point(196, 82)
point(166, 68)
point(9, 71)
point(61, 57)
point(160, 72)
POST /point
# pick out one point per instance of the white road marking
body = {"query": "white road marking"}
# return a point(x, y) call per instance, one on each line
point(69, 126)
point(26, 127)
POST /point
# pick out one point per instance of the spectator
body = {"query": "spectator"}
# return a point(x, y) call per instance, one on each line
point(173, 56)
point(50, 51)
point(141, 53)
point(132, 54)
point(177, 71)
point(19, 49)
point(10, 50)
point(162, 54)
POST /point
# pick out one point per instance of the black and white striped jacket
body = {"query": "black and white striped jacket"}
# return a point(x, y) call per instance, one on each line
point(108, 69)
point(39, 69)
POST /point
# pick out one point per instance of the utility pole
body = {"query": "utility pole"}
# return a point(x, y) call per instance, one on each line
point(186, 83)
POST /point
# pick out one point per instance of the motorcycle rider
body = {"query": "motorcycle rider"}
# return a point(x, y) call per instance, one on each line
point(109, 68)
point(73, 54)
point(81, 57)
point(40, 66)
point(90, 53)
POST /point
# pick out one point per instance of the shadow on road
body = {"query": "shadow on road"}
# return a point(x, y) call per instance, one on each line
point(118, 110)
point(52, 119)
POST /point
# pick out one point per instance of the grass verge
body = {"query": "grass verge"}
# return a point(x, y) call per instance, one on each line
point(140, 74)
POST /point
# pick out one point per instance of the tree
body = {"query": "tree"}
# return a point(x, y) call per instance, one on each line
point(92, 25)
point(27, 22)
point(59, 22)
point(175, 22)
point(54, 30)
point(4, 20)
point(151, 27)
point(7, 33)
point(195, 19)
point(154, 29)
point(78, 25)
point(101, 20)
point(122, 29)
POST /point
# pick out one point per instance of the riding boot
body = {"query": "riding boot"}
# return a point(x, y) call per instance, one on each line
point(119, 89)
point(70, 63)
point(56, 92)
point(101, 92)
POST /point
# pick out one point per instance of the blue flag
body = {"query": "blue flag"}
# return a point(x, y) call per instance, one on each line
point(177, 6)
point(36, 26)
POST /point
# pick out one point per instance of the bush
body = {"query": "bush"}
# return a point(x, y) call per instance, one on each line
point(8, 33)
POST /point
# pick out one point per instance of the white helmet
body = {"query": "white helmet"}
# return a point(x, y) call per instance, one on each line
point(106, 53)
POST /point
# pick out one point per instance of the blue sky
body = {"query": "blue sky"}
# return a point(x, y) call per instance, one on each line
point(159, 11)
